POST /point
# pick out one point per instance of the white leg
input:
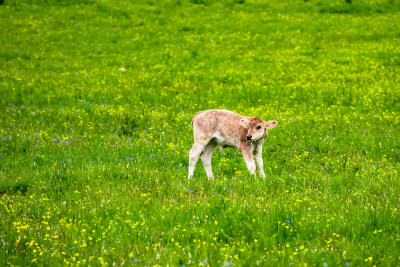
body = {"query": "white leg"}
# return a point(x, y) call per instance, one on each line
point(206, 158)
point(251, 166)
point(194, 156)
point(247, 153)
point(259, 160)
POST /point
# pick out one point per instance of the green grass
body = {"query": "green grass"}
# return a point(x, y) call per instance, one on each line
point(96, 100)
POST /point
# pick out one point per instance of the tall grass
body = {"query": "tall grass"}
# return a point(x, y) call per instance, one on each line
point(96, 100)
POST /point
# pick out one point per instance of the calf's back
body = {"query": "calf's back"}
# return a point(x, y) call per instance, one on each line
point(222, 125)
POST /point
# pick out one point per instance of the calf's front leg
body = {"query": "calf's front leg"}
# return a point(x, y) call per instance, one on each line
point(259, 160)
point(247, 152)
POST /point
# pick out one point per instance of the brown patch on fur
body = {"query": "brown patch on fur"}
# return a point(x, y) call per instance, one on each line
point(255, 121)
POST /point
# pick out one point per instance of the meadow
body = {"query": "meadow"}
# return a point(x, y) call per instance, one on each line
point(96, 102)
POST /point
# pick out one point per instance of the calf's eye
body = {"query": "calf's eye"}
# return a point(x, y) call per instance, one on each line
point(259, 127)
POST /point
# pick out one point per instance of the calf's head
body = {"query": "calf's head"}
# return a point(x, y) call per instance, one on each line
point(256, 128)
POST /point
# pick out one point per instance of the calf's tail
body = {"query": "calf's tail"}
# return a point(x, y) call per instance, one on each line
point(195, 115)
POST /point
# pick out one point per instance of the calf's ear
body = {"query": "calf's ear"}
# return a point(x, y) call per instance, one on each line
point(244, 123)
point(270, 124)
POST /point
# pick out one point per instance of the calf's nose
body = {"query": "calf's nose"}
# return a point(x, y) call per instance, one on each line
point(248, 137)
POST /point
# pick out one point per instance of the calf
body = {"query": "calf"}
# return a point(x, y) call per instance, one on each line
point(228, 129)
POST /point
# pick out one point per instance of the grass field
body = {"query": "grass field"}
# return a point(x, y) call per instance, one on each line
point(96, 102)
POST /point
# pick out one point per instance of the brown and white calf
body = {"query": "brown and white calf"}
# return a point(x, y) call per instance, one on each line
point(228, 129)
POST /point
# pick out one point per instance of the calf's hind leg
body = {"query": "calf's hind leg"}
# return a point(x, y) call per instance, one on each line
point(206, 158)
point(194, 154)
